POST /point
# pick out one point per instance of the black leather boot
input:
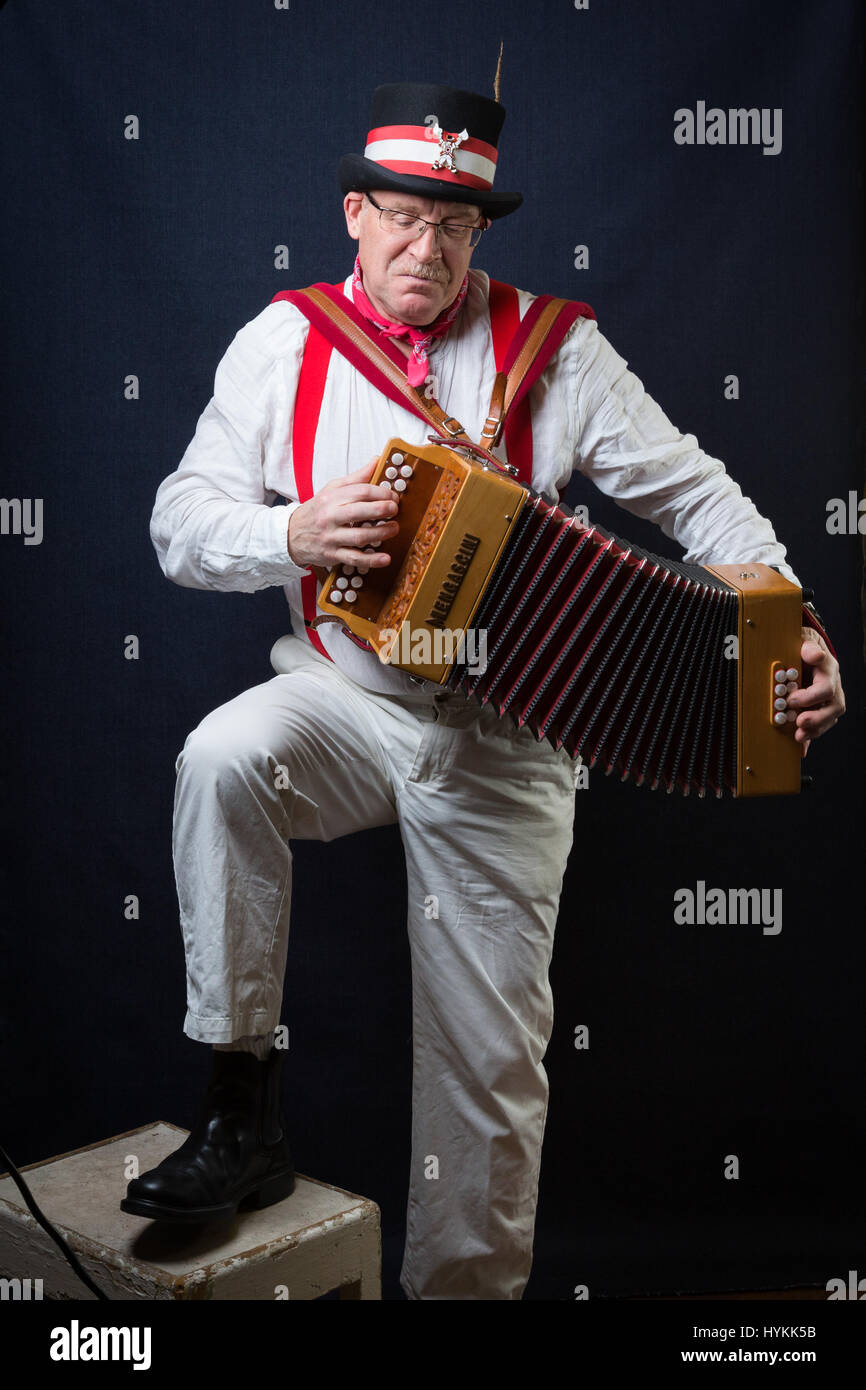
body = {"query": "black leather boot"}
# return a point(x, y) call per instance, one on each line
point(235, 1155)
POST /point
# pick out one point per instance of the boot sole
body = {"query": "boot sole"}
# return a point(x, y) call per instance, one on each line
point(264, 1194)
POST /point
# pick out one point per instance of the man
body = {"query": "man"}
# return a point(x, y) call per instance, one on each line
point(338, 741)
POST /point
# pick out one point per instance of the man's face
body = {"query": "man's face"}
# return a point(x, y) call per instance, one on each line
point(409, 278)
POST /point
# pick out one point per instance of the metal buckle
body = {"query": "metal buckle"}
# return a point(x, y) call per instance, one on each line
point(451, 421)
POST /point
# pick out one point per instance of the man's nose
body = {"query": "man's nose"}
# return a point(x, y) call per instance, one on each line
point(426, 247)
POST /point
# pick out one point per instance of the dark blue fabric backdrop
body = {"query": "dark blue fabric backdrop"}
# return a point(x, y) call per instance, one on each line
point(144, 257)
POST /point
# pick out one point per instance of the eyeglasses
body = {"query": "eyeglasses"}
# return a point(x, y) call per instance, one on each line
point(410, 227)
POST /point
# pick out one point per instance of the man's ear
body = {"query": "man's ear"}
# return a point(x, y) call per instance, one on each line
point(352, 204)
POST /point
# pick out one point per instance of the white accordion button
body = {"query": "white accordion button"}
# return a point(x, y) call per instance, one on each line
point(350, 596)
point(335, 596)
point(397, 457)
point(780, 704)
point(400, 485)
point(342, 583)
point(780, 718)
point(791, 674)
point(390, 472)
point(791, 686)
point(780, 690)
point(348, 569)
point(780, 676)
point(406, 471)
point(357, 582)
point(791, 716)
point(369, 548)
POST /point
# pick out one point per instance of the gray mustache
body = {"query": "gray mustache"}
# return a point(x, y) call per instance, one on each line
point(427, 272)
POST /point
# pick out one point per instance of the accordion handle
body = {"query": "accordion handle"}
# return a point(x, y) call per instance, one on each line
point(322, 618)
point(812, 619)
point(466, 446)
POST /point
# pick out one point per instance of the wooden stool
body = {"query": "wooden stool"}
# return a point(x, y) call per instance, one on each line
point(318, 1239)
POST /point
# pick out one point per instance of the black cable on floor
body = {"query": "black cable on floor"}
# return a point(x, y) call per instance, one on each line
point(47, 1226)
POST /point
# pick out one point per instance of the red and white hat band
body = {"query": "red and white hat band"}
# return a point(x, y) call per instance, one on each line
point(428, 151)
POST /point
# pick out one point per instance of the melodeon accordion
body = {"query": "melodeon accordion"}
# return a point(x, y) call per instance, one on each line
point(667, 674)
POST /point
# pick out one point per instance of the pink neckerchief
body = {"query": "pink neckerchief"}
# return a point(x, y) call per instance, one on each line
point(420, 338)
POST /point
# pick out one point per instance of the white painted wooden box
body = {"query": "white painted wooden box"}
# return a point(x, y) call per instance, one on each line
point(318, 1239)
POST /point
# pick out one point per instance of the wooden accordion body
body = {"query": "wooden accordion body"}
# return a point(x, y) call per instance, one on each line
point(657, 671)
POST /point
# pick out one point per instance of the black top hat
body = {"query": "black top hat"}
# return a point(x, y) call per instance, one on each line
point(436, 142)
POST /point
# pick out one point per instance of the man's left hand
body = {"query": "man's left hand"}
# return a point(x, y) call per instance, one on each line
point(818, 706)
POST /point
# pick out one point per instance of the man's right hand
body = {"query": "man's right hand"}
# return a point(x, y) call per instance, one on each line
point(328, 530)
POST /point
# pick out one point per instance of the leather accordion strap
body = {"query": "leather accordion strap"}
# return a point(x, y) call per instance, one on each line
point(540, 334)
point(495, 422)
point(527, 344)
point(534, 341)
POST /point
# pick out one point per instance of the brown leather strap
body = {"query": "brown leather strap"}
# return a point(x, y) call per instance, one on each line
point(530, 350)
point(495, 421)
point(505, 388)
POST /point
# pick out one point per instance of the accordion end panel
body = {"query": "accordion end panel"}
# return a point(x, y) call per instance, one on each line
point(769, 759)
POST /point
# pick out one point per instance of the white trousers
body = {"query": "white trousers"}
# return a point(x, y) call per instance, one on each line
point(485, 814)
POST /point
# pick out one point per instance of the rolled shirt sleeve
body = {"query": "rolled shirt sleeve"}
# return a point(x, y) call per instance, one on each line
point(630, 450)
point(214, 523)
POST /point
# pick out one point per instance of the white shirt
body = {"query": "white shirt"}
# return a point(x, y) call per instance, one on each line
point(215, 526)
